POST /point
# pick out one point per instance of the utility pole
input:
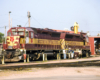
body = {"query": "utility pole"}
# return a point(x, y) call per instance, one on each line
point(5, 34)
point(11, 22)
point(28, 15)
point(9, 19)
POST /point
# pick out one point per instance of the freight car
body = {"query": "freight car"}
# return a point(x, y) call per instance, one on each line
point(23, 41)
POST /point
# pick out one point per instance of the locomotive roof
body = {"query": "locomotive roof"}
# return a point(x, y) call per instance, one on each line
point(29, 29)
point(73, 34)
point(42, 30)
point(51, 30)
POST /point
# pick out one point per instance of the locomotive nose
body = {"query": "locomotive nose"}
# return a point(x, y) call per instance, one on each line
point(12, 42)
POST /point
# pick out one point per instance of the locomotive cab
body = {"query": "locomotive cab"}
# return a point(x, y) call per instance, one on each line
point(16, 38)
point(15, 42)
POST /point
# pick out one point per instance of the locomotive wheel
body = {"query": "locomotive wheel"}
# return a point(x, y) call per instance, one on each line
point(30, 57)
point(55, 55)
point(36, 56)
point(62, 56)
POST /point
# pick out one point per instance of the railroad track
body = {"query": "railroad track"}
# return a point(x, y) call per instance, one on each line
point(92, 61)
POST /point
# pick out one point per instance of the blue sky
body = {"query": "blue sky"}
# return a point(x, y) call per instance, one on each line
point(54, 14)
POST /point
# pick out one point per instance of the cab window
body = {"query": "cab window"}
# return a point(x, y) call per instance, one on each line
point(31, 34)
point(21, 33)
point(26, 34)
point(9, 33)
point(14, 33)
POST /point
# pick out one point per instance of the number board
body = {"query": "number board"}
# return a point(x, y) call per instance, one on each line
point(13, 29)
point(20, 29)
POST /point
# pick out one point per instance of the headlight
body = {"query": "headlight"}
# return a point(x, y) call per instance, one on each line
point(21, 50)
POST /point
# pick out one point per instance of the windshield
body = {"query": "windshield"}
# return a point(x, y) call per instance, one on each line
point(14, 33)
point(9, 33)
point(18, 33)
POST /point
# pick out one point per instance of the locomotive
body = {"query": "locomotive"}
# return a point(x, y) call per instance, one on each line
point(23, 41)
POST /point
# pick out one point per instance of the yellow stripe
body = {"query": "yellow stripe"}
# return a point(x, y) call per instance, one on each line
point(74, 43)
point(46, 41)
point(55, 42)
point(22, 40)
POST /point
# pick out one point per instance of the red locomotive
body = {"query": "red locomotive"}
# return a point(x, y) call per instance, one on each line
point(28, 40)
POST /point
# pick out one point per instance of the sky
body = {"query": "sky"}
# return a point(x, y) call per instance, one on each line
point(53, 14)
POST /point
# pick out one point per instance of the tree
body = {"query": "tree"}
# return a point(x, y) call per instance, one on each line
point(1, 37)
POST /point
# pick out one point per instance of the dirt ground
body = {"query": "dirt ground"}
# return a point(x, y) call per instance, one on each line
point(50, 72)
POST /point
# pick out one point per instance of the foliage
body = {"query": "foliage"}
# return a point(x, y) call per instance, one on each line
point(1, 37)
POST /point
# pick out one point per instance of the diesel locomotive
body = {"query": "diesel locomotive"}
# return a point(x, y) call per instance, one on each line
point(21, 41)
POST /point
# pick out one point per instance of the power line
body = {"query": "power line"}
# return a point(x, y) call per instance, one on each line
point(19, 15)
point(3, 27)
point(37, 22)
point(3, 15)
point(26, 23)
